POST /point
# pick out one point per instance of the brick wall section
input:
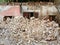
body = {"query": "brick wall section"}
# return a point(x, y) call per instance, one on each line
point(13, 11)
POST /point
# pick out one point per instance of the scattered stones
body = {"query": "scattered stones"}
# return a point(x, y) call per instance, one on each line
point(22, 31)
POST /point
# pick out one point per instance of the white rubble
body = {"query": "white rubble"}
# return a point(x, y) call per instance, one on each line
point(23, 31)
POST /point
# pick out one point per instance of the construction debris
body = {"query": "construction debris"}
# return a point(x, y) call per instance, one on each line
point(22, 31)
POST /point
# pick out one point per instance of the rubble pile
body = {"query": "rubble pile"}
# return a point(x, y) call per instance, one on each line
point(23, 31)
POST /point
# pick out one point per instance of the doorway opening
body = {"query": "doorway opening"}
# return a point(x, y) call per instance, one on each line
point(30, 14)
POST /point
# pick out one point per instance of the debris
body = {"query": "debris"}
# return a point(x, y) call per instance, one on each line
point(20, 30)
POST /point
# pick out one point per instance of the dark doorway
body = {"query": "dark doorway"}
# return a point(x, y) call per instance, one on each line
point(52, 17)
point(36, 14)
point(30, 14)
point(26, 14)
